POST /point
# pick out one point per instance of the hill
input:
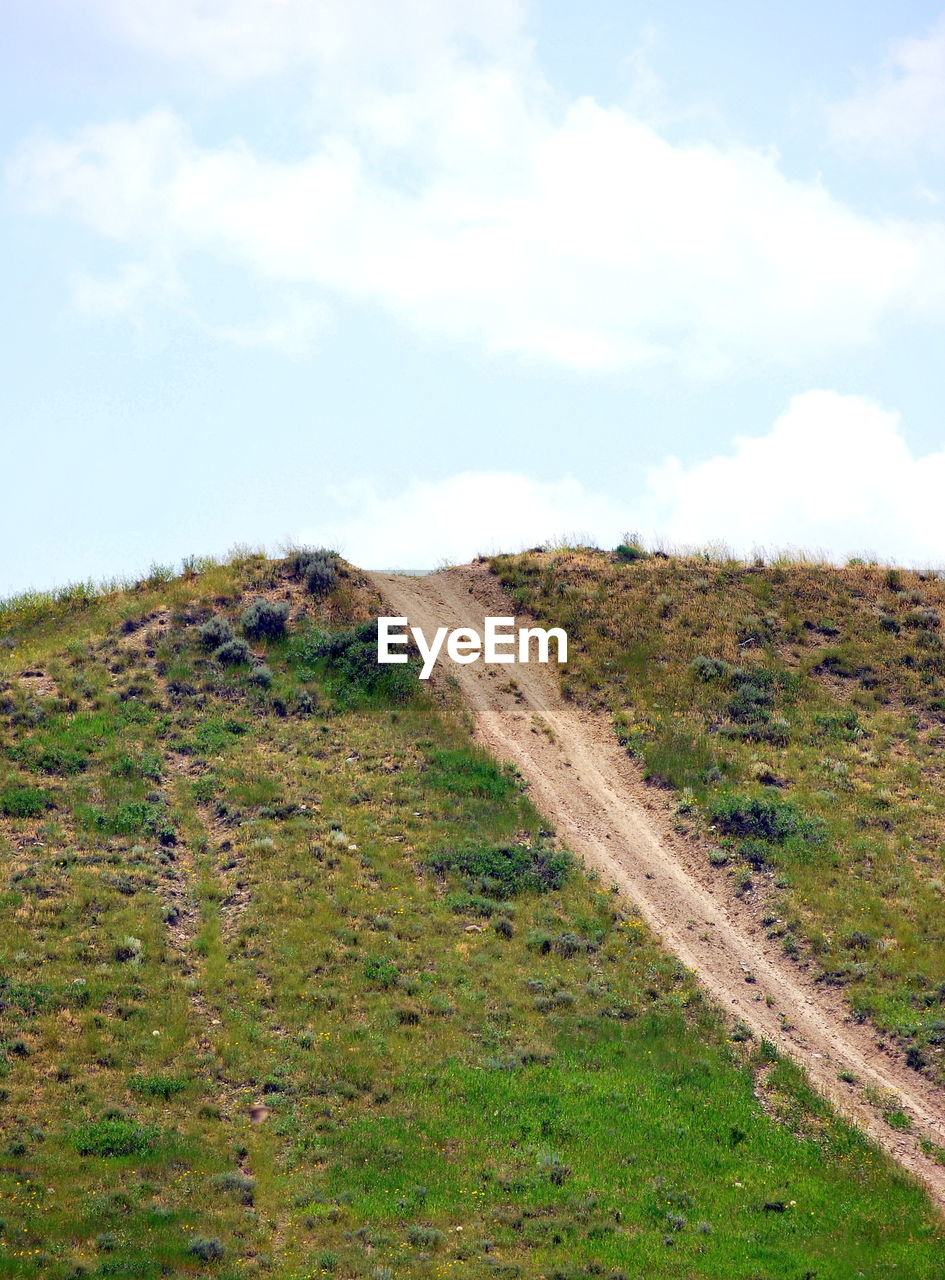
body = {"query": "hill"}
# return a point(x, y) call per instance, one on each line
point(297, 981)
point(797, 711)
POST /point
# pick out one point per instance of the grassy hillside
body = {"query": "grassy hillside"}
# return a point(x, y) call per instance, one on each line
point(799, 713)
point(293, 982)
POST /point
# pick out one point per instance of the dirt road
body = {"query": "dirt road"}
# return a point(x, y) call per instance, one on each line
point(593, 796)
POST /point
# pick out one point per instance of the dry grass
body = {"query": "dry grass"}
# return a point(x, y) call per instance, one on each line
point(249, 1028)
point(801, 685)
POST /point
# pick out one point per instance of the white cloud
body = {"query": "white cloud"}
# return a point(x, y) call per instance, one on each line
point(440, 180)
point(460, 517)
point(904, 107)
point(834, 475)
point(589, 241)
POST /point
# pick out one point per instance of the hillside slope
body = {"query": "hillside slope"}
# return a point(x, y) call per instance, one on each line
point(798, 712)
point(296, 982)
point(585, 783)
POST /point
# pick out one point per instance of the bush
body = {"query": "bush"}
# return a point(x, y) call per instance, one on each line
point(381, 972)
point(214, 632)
point(233, 652)
point(754, 631)
point(320, 578)
point(164, 1087)
point(206, 1249)
point(503, 871)
point(317, 567)
point(922, 618)
point(265, 619)
point(770, 820)
point(321, 572)
point(572, 944)
point(24, 802)
point(351, 656)
point(115, 1136)
point(750, 703)
point(425, 1237)
point(260, 675)
point(756, 853)
point(709, 668)
point(627, 552)
point(135, 817)
point(470, 904)
point(241, 1183)
point(857, 941)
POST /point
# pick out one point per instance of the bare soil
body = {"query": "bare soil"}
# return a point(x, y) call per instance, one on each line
point(599, 806)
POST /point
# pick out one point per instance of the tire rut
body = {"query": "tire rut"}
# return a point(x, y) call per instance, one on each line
point(589, 789)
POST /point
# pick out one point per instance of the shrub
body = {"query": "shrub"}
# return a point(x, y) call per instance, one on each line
point(922, 618)
point(503, 871)
point(265, 619)
point(136, 817)
point(130, 948)
point(380, 971)
point(751, 702)
point(214, 632)
point(857, 941)
point(164, 1087)
point(754, 631)
point(627, 552)
point(843, 726)
point(233, 652)
point(572, 944)
point(316, 566)
point(115, 1136)
point(351, 656)
point(771, 820)
point(57, 759)
point(241, 1183)
point(756, 853)
point(260, 675)
point(425, 1237)
point(321, 573)
point(207, 1249)
point(709, 668)
point(470, 904)
point(915, 1058)
point(24, 802)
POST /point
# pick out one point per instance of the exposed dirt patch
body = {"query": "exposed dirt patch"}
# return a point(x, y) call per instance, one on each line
point(596, 799)
point(38, 683)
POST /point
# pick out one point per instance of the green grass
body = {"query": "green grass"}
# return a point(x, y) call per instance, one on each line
point(297, 985)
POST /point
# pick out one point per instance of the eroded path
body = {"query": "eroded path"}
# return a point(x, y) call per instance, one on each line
point(594, 797)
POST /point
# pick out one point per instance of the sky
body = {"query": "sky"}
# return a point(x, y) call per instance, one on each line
point(423, 279)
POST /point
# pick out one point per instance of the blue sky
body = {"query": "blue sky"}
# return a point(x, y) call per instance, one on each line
point(423, 280)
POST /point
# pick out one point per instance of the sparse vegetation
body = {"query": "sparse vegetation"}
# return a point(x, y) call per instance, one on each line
point(799, 712)
point(256, 1018)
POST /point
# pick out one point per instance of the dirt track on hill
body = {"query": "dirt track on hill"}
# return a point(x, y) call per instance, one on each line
point(595, 799)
